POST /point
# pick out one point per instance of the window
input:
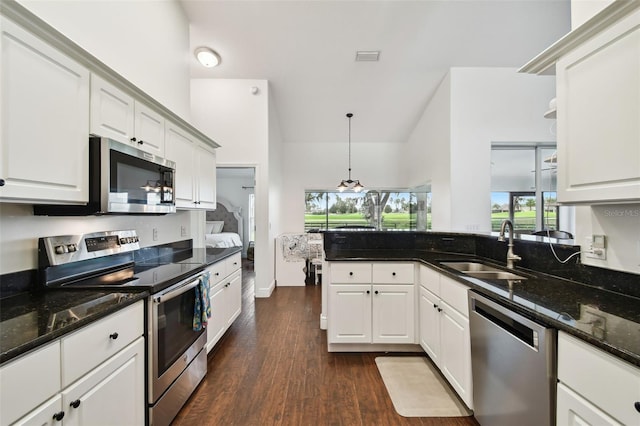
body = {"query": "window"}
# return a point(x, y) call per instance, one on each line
point(383, 210)
point(523, 187)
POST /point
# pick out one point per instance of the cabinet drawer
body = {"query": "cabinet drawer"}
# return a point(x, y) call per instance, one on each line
point(585, 368)
point(91, 345)
point(429, 279)
point(350, 272)
point(233, 263)
point(387, 273)
point(28, 381)
point(455, 294)
point(217, 271)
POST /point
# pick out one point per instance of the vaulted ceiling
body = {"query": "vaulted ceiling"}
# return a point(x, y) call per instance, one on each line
point(307, 48)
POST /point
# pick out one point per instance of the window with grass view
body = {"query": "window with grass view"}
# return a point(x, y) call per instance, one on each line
point(523, 187)
point(382, 210)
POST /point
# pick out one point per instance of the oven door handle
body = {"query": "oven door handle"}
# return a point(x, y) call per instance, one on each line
point(176, 291)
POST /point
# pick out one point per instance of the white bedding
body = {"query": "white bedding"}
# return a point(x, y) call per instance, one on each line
point(223, 239)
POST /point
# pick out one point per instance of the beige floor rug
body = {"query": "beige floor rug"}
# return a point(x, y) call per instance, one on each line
point(416, 388)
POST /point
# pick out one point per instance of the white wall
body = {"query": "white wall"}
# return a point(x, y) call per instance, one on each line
point(490, 105)
point(472, 108)
point(147, 42)
point(430, 159)
point(238, 119)
point(621, 225)
point(20, 230)
point(583, 10)
point(309, 166)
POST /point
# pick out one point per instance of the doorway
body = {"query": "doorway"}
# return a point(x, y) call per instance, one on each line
point(236, 186)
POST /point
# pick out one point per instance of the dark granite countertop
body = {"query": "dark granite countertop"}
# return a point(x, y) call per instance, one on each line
point(31, 319)
point(604, 318)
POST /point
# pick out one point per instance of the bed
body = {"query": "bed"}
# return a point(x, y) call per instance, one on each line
point(223, 227)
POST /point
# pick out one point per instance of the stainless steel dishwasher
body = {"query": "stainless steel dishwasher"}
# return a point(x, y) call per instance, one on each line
point(513, 366)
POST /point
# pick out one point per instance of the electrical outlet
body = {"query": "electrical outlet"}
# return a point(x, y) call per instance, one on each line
point(155, 234)
point(596, 253)
point(183, 231)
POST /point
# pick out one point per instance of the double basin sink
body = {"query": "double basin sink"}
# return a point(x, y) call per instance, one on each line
point(482, 271)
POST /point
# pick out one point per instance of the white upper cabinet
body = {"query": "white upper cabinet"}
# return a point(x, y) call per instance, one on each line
point(149, 128)
point(597, 67)
point(117, 115)
point(598, 101)
point(195, 180)
point(44, 121)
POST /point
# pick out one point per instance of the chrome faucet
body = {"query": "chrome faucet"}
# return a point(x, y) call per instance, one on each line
point(511, 256)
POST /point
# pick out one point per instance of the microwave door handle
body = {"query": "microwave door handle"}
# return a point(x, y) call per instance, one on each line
point(176, 292)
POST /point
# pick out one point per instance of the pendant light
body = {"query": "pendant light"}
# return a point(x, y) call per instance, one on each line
point(350, 184)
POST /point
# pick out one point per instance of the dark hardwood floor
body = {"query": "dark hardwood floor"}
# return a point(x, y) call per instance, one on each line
point(272, 368)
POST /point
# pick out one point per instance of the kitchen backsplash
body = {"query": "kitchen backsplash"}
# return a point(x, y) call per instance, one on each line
point(536, 255)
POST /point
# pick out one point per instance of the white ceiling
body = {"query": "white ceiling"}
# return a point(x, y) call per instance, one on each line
point(306, 49)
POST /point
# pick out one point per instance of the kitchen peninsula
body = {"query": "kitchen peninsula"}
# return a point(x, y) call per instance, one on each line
point(553, 293)
point(402, 291)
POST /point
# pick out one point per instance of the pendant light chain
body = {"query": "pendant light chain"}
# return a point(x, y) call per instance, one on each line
point(350, 184)
point(349, 115)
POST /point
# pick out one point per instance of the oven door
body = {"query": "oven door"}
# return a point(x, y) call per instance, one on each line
point(173, 343)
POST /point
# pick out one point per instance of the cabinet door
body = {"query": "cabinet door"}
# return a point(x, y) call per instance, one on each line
point(149, 130)
point(430, 324)
point(112, 394)
point(180, 148)
point(573, 410)
point(350, 313)
point(44, 414)
point(217, 324)
point(393, 318)
point(206, 158)
point(44, 116)
point(112, 111)
point(455, 355)
point(234, 297)
point(598, 100)
point(28, 381)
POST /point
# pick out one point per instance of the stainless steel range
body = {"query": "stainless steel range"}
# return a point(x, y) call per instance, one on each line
point(107, 260)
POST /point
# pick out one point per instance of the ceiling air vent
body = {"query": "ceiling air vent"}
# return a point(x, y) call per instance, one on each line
point(367, 55)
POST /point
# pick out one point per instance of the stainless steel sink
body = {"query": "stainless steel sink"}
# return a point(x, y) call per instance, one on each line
point(469, 266)
point(494, 275)
point(480, 270)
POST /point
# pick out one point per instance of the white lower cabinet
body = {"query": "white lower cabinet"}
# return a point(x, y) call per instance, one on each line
point(574, 410)
point(110, 391)
point(225, 297)
point(371, 303)
point(595, 388)
point(444, 329)
point(112, 394)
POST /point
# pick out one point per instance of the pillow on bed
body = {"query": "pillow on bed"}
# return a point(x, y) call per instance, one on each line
point(215, 227)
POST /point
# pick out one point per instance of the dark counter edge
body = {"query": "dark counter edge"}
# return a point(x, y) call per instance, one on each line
point(57, 334)
point(536, 316)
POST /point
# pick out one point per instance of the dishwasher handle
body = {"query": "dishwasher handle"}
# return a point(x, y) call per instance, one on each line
point(516, 325)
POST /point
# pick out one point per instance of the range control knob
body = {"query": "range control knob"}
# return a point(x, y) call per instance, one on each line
point(61, 249)
point(72, 247)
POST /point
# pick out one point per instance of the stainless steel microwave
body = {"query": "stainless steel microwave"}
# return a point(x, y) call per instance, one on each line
point(122, 180)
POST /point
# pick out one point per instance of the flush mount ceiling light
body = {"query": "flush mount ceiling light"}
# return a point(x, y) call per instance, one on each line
point(207, 57)
point(349, 184)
